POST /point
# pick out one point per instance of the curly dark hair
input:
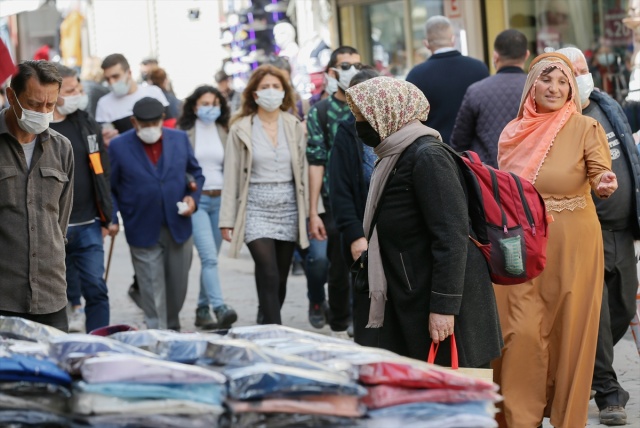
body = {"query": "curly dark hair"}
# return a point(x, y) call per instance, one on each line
point(188, 117)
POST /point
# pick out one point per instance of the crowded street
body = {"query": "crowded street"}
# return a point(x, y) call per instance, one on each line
point(318, 213)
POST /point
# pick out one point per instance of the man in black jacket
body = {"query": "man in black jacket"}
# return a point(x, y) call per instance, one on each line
point(619, 217)
point(491, 103)
point(91, 212)
point(445, 76)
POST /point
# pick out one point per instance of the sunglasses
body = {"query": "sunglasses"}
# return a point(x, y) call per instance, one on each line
point(347, 65)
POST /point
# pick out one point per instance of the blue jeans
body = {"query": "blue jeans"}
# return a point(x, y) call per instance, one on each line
point(208, 239)
point(85, 273)
point(316, 268)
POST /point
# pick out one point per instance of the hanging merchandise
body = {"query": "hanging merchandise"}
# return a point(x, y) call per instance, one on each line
point(247, 35)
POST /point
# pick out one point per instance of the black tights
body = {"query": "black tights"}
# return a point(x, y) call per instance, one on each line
point(272, 259)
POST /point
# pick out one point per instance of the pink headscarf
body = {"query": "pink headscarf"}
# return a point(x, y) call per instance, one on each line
point(526, 140)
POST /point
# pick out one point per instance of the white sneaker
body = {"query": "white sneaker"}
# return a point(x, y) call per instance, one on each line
point(341, 335)
point(77, 320)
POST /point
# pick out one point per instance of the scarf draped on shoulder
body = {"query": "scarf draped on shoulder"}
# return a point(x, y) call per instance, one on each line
point(527, 139)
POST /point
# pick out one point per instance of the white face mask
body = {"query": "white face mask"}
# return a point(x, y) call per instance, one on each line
point(31, 121)
point(150, 134)
point(585, 86)
point(332, 85)
point(73, 103)
point(121, 87)
point(345, 76)
point(270, 99)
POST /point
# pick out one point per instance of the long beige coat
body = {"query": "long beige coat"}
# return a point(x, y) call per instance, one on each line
point(237, 173)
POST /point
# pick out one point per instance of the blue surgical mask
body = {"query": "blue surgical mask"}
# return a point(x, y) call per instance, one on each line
point(208, 114)
point(606, 58)
point(332, 85)
point(121, 87)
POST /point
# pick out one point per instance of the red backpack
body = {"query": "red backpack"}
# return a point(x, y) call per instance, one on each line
point(509, 219)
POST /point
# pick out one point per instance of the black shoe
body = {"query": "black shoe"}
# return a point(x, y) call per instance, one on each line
point(260, 317)
point(225, 315)
point(204, 319)
point(613, 415)
point(318, 314)
point(297, 269)
point(134, 294)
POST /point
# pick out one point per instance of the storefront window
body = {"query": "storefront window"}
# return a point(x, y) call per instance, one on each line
point(594, 27)
point(379, 30)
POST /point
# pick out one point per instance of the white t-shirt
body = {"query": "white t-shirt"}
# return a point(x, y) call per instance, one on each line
point(111, 108)
point(28, 149)
point(209, 154)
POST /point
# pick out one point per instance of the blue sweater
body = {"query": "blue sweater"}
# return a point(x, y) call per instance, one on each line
point(444, 79)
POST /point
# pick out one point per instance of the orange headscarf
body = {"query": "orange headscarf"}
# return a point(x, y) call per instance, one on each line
point(527, 139)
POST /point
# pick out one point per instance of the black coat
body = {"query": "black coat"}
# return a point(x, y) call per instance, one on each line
point(430, 263)
point(444, 79)
point(348, 186)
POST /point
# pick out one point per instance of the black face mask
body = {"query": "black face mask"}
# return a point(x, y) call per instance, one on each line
point(367, 134)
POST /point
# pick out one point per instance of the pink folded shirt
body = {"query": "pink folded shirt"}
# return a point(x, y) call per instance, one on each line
point(131, 368)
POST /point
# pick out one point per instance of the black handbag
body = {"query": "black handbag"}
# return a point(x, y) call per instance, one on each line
point(360, 274)
point(360, 268)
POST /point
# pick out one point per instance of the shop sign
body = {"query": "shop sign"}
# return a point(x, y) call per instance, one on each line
point(615, 32)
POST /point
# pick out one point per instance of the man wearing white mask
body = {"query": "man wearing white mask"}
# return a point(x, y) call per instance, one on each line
point(114, 111)
point(620, 220)
point(91, 212)
point(36, 184)
point(326, 250)
point(115, 108)
point(149, 167)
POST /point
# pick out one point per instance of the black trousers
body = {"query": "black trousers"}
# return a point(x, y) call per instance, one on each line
point(57, 319)
point(338, 280)
point(618, 309)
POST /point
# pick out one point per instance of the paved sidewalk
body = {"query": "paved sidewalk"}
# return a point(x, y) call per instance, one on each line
point(239, 291)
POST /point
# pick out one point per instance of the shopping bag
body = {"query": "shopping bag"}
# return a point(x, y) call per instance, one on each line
point(483, 374)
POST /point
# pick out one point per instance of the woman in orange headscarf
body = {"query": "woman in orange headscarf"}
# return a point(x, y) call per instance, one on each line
point(550, 324)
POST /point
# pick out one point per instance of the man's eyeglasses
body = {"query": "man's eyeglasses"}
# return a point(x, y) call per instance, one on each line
point(347, 65)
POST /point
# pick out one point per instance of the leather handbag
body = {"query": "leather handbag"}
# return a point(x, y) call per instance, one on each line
point(360, 274)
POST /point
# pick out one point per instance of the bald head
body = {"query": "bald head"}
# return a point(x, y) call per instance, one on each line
point(439, 32)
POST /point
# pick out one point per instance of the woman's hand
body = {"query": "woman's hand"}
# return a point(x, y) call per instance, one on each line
point(358, 247)
point(440, 327)
point(608, 184)
point(227, 233)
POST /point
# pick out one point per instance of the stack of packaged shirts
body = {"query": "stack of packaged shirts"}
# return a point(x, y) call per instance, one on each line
point(34, 391)
point(119, 384)
point(400, 391)
point(264, 385)
point(256, 376)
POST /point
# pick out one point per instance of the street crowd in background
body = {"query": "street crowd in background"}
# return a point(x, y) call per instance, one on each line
point(357, 174)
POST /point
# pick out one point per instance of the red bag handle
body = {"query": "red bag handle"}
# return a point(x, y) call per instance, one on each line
point(433, 350)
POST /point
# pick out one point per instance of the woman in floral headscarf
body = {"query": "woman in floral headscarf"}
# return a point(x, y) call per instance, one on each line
point(426, 278)
point(550, 324)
